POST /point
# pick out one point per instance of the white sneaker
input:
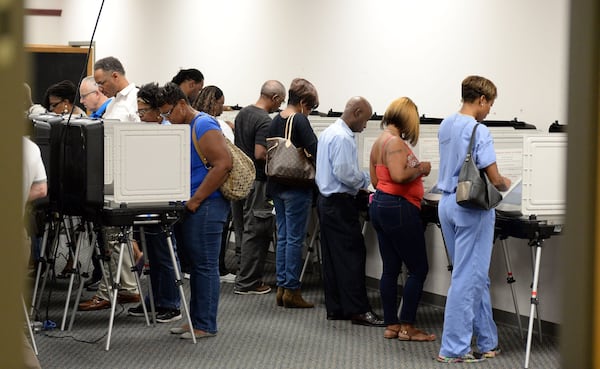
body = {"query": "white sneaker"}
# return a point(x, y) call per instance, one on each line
point(228, 278)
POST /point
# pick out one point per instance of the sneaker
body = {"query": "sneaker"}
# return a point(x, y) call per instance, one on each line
point(473, 357)
point(261, 289)
point(228, 278)
point(492, 353)
point(168, 315)
point(136, 311)
point(93, 285)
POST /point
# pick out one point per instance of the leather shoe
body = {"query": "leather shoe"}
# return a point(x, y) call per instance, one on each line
point(127, 298)
point(369, 319)
point(96, 303)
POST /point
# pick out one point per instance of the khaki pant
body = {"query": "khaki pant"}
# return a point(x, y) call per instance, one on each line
point(128, 282)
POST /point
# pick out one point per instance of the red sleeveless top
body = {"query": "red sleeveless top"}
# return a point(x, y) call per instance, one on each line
point(412, 191)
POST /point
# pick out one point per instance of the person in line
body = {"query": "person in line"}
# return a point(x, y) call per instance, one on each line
point(110, 78)
point(31, 108)
point(293, 202)
point(206, 210)
point(96, 102)
point(191, 81)
point(253, 216)
point(344, 253)
point(165, 293)
point(395, 213)
point(60, 99)
point(91, 97)
point(210, 100)
point(468, 233)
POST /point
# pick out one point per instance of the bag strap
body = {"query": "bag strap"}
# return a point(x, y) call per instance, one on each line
point(289, 123)
point(197, 144)
point(383, 148)
point(471, 143)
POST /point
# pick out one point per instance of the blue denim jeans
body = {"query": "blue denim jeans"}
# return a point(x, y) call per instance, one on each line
point(401, 240)
point(162, 274)
point(291, 214)
point(202, 235)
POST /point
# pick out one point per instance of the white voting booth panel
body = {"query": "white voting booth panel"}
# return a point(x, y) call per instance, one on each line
point(544, 175)
point(146, 163)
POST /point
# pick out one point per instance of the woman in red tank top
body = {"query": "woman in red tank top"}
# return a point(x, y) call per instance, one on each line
point(395, 214)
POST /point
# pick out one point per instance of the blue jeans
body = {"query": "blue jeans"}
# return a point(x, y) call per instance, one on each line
point(291, 213)
point(401, 240)
point(202, 235)
point(162, 274)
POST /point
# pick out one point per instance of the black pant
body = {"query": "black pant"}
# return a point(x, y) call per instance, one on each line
point(344, 256)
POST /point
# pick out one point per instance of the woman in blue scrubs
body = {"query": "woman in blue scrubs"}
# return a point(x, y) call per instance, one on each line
point(468, 233)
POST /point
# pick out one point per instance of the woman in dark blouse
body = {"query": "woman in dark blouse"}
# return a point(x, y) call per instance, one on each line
point(293, 203)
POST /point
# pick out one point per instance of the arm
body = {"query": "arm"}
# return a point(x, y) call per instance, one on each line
point(37, 190)
point(260, 152)
point(213, 146)
point(396, 159)
point(345, 166)
point(373, 161)
point(500, 182)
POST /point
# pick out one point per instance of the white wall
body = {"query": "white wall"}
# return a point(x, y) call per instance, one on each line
point(380, 49)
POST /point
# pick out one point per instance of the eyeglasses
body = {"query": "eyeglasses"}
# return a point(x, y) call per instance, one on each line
point(142, 112)
point(53, 105)
point(167, 114)
point(89, 93)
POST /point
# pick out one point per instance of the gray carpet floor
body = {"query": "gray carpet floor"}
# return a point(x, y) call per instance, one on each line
point(255, 333)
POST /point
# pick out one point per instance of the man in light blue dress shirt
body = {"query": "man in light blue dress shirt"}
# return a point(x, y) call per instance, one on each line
point(339, 179)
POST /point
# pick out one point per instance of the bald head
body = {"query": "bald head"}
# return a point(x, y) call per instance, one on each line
point(272, 94)
point(356, 113)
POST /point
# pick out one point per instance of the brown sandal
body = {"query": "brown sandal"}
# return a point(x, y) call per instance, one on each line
point(391, 331)
point(410, 333)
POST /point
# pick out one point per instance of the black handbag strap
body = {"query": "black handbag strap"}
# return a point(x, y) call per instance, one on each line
point(471, 143)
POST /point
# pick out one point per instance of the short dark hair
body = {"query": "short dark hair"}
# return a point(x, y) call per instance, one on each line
point(474, 87)
point(148, 94)
point(109, 64)
point(170, 94)
point(187, 74)
point(302, 90)
point(64, 89)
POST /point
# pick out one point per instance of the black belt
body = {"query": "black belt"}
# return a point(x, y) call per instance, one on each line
point(343, 196)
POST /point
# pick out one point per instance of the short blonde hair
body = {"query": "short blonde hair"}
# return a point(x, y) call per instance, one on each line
point(404, 115)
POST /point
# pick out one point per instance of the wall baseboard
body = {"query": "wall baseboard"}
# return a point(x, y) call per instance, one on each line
point(500, 316)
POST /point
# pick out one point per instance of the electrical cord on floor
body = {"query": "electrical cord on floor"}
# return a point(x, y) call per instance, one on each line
point(50, 335)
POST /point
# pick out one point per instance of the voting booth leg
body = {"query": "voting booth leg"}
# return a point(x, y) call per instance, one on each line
point(537, 306)
point(313, 246)
point(138, 282)
point(534, 299)
point(510, 280)
point(49, 261)
point(115, 288)
point(81, 237)
point(146, 272)
point(93, 245)
point(29, 326)
point(167, 232)
point(41, 263)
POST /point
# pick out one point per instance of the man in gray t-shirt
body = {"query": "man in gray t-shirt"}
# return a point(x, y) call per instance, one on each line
point(253, 216)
